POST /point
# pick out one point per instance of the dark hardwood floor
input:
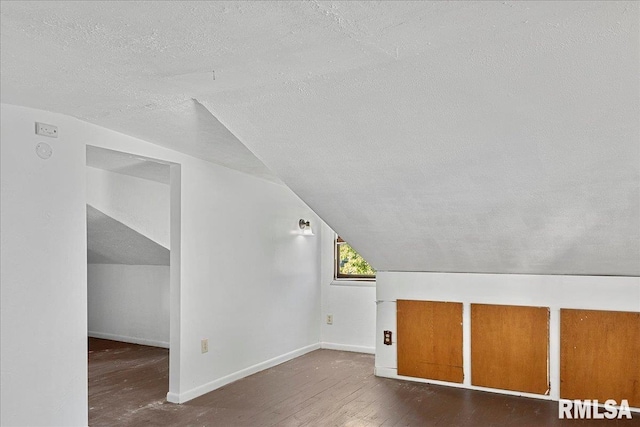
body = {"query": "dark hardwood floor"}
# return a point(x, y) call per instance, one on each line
point(128, 384)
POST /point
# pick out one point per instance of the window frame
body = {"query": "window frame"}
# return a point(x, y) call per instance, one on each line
point(341, 277)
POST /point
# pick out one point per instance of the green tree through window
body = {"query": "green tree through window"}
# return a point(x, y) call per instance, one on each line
point(349, 263)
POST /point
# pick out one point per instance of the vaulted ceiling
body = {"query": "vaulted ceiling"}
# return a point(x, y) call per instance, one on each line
point(480, 136)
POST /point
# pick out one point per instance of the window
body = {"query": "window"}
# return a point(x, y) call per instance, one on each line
point(349, 264)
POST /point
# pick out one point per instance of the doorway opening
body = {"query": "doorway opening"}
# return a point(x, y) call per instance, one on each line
point(133, 280)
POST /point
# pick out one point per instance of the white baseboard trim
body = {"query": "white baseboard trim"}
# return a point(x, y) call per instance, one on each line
point(347, 347)
point(132, 340)
point(393, 373)
point(173, 397)
point(215, 384)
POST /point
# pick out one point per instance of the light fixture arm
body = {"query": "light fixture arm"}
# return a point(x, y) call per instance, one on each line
point(303, 224)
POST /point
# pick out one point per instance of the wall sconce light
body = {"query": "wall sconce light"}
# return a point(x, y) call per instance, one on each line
point(305, 227)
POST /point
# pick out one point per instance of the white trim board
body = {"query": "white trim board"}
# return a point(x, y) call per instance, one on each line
point(132, 340)
point(347, 347)
point(228, 379)
point(393, 374)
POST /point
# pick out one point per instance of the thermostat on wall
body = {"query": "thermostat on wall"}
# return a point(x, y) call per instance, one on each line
point(44, 150)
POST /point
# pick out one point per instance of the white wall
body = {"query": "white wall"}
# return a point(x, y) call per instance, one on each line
point(43, 350)
point(140, 204)
point(129, 303)
point(352, 305)
point(555, 292)
point(248, 282)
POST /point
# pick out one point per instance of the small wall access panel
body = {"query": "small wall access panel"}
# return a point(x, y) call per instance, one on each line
point(429, 340)
point(600, 355)
point(510, 347)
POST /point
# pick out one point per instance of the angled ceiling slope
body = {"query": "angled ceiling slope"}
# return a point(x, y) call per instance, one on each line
point(111, 242)
point(434, 136)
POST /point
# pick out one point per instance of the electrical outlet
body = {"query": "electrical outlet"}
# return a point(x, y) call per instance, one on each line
point(329, 319)
point(204, 345)
point(387, 338)
point(46, 130)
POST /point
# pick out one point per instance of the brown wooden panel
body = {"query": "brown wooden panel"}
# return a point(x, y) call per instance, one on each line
point(600, 355)
point(430, 340)
point(510, 347)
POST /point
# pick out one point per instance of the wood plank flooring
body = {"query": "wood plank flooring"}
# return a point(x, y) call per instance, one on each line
point(128, 385)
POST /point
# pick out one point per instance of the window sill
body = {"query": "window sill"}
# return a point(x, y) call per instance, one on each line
point(352, 282)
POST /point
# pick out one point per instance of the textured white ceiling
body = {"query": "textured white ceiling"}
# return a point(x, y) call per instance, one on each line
point(435, 136)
